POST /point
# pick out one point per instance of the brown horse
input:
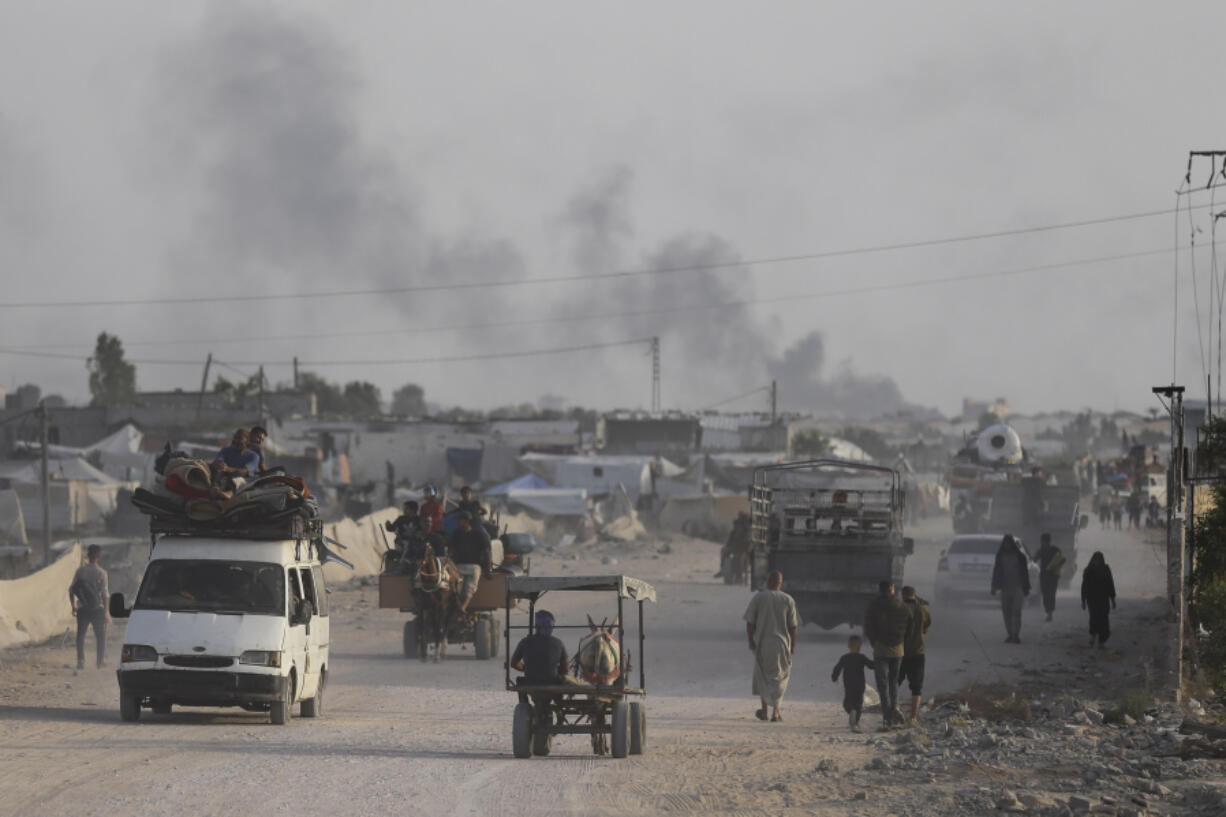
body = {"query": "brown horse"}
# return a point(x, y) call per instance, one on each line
point(435, 584)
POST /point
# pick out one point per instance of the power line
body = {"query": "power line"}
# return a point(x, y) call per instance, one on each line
point(371, 362)
point(588, 317)
point(726, 400)
point(555, 279)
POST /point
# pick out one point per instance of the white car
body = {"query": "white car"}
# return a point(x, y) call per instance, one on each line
point(964, 572)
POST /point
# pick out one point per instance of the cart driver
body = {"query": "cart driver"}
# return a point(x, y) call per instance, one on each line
point(541, 656)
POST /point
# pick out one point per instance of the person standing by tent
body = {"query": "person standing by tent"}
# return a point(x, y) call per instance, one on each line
point(1098, 596)
point(771, 622)
point(88, 596)
point(1051, 562)
point(1011, 578)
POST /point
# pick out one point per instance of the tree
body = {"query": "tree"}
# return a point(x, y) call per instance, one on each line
point(409, 401)
point(363, 399)
point(810, 444)
point(328, 397)
point(112, 380)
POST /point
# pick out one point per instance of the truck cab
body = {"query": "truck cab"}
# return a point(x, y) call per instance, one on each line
point(226, 622)
point(833, 528)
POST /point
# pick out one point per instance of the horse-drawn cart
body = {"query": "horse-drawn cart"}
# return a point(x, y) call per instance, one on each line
point(479, 626)
point(598, 705)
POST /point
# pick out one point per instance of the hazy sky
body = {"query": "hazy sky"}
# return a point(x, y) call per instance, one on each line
point(169, 150)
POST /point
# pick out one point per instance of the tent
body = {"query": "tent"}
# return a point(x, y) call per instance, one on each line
point(551, 501)
point(528, 482)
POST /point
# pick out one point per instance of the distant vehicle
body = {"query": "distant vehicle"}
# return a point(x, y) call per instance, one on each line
point(964, 572)
point(834, 529)
point(1030, 507)
point(989, 457)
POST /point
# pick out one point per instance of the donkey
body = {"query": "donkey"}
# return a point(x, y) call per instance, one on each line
point(599, 655)
point(435, 585)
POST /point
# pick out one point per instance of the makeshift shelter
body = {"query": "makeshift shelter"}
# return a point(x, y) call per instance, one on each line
point(528, 482)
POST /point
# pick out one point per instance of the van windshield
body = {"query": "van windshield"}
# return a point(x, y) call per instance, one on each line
point(201, 585)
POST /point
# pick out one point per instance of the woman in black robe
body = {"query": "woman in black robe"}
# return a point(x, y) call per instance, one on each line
point(1098, 596)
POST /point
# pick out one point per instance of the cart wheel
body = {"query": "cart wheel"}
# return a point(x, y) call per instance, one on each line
point(410, 638)
point(482, 637)
point(638, 727)
point(621, 729)
point(495, 628)
point(521, 731)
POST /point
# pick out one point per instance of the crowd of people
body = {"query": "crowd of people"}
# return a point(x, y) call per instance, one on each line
point(895, 627)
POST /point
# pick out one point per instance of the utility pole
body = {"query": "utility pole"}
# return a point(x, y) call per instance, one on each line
point(774, 402)
point(204, 384)
point(1175, 543)
point(295, 373)
point(46, 482)
point(655, 375)
point(261, 395)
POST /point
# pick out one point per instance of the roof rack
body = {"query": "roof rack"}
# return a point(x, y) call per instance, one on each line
point(291, 527)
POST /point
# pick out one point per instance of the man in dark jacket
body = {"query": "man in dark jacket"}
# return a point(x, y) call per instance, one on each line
point(469, 548)
point(1011, 578)
point(885, 626)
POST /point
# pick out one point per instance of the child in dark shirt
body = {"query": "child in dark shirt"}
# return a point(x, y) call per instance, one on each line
point(852, 667)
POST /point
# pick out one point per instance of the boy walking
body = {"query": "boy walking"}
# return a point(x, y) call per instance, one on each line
point(852, 665)
point(912, 668)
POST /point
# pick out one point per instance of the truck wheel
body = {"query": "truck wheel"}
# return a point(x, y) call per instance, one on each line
point(410, 638)
point(521, 731)
point(495, 629)
point(482, 636)
point(313, 707)
point(638, 727)
point(621, 729)
point(129, 707)
point(279, 712)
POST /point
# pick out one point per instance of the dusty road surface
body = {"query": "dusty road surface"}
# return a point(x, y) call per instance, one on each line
point(402, 736)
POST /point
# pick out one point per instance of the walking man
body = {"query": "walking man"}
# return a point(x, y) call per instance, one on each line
point(88, 596)
point(1051, 562)
point(1011, 578)
point(771, 622)
point(885, 627)
point(912, 667)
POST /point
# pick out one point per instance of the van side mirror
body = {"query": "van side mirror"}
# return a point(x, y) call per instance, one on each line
point(1085, 521)
point(908, 545)
point(116, 607)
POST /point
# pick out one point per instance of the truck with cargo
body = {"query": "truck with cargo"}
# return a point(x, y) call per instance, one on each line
point(833, 528)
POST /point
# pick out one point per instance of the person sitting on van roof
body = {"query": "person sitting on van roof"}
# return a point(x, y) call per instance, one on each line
point(237, 457)
point(255, 442)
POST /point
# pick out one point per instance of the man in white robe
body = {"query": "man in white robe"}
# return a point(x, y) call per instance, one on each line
point(771, 623)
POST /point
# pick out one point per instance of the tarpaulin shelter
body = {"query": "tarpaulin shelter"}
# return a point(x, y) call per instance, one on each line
point(528, 482)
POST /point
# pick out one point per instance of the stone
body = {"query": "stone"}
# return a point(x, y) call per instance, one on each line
point(1129, 720)
point(1130, 811)
point(860, 795)
point(1103, 808)
point(1078, 803)
point(1080, 717)
point(1094, 715)
point(827, 766)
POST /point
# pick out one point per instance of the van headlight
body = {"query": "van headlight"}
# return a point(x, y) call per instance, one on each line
point(261, 658)
point(137, 652)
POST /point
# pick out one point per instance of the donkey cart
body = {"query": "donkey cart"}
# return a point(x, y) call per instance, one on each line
point(596, 701)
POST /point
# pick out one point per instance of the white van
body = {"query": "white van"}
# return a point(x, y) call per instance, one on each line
point(226, 622)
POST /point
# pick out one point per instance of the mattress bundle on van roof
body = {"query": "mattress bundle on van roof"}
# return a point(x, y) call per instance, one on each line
point(189, 497)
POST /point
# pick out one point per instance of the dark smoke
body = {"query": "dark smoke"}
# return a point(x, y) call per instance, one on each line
point(720, 351)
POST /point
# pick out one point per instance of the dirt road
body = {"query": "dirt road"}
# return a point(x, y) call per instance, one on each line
point(401, 736)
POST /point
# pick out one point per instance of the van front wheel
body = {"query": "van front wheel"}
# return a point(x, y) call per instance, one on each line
point(279, 712)
point(129, 707)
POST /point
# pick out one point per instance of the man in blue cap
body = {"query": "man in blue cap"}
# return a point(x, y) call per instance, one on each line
point(541, 656)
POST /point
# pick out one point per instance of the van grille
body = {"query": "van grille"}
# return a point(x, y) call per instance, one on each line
point(198, 661)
